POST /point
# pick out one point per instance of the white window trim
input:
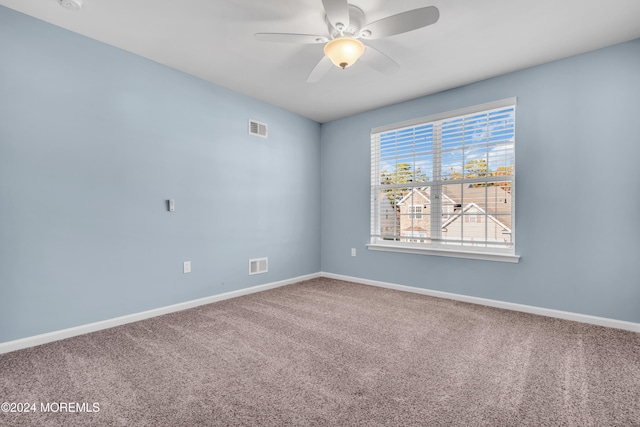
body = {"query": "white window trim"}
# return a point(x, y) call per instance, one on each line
point(477, 253)
point(453, 253)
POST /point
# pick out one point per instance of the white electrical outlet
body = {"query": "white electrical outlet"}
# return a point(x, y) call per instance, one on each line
point(353, 251)
point(186, 267)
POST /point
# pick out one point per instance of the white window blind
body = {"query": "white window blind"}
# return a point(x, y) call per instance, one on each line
point(447, 178)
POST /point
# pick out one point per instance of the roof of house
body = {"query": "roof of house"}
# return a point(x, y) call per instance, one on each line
point(415, 228)
point(424, 192)
point(493, 200)
point(470, 206)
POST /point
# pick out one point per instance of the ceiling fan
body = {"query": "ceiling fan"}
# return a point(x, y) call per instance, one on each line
point(347, 27)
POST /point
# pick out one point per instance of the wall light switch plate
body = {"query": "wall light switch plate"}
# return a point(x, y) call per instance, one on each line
point(353, 251)
point(172, 205)
point(186, 267)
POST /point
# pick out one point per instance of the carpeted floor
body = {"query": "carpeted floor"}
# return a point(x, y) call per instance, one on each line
point(327, 352)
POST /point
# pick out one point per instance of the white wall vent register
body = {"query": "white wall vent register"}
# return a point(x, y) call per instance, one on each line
point(258, 265)
point(257, 128)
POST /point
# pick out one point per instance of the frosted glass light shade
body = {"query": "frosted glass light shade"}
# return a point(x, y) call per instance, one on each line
point(344, 51)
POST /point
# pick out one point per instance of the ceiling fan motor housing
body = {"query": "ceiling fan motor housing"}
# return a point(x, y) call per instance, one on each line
point(356, 21)
point(71, 4)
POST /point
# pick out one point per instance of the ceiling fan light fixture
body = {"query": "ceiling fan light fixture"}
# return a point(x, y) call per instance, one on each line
point(344, 51)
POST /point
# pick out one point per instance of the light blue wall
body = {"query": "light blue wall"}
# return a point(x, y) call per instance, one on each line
point(577, 190)
point(93, 140)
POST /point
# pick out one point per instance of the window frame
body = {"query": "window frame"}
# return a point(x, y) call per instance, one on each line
point(437, 248)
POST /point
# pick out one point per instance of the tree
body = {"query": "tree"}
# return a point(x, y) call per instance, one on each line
point(451, 175)
point(477, 168)
point(504, 171)
point(402, 174)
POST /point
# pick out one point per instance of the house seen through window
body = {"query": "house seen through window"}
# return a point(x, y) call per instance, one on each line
point(446, 182)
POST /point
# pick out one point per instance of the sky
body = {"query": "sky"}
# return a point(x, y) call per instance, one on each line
point(487, 135)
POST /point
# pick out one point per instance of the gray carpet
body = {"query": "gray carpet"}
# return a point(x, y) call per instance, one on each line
point(327, 352)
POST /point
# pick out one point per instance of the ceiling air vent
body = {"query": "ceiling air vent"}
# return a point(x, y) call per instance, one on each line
point(258, 265)
point(257, 128)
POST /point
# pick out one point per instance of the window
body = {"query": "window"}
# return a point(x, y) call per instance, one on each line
point(449, 179)
point(415, 211)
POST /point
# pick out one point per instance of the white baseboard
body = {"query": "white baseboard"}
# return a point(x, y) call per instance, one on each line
point(33, 341)
point(566, 315)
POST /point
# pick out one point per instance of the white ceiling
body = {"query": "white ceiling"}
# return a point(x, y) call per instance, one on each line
point(473, 40)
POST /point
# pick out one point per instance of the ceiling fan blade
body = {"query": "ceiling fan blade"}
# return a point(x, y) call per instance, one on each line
point(402, 22)
point(337, 12)
point(379, 61)
point(290, 38)
point(321, 68)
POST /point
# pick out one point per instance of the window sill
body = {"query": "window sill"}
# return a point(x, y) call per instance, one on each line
point(486, 256)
